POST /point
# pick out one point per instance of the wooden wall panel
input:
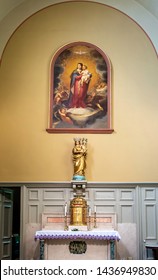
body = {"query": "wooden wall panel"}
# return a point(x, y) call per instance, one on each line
point(33, 213)
point(151, 225)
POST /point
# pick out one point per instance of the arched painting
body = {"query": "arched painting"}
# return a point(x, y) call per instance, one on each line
point(80, 90)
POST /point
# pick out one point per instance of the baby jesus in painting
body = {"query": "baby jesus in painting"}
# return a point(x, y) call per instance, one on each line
point(86, 75)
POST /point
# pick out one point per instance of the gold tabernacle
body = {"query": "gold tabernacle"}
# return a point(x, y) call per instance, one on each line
point(78, 210)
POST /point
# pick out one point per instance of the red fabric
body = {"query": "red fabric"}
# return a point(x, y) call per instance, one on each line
point(79, 93)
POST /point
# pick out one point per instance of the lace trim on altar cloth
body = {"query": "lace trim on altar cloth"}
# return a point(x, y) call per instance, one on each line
point(98, 235)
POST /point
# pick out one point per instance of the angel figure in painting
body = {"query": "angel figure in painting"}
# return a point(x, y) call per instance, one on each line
point(79, 154)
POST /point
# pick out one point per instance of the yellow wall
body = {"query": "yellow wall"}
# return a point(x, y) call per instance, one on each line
point(27, 151)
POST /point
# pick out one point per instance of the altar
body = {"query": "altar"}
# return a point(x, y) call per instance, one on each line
point(77, 245)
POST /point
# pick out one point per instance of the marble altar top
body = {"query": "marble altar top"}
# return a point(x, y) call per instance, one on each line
point(62, 234)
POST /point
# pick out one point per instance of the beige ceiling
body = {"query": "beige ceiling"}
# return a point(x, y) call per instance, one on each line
point(7, 6)
point(150, 5)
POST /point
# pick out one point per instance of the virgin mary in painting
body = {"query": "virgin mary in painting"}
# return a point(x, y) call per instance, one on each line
point(79, 86)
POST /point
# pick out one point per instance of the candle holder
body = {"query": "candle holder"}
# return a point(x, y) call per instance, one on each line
point(89, 222)
point(95, 220)
point(65, 223)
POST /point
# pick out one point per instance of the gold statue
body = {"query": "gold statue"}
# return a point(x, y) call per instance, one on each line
point(79, 153)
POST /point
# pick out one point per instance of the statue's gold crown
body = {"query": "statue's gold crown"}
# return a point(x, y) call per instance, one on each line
point(81, 140)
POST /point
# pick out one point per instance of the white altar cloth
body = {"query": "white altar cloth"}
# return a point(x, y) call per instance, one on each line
point(61, 234)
